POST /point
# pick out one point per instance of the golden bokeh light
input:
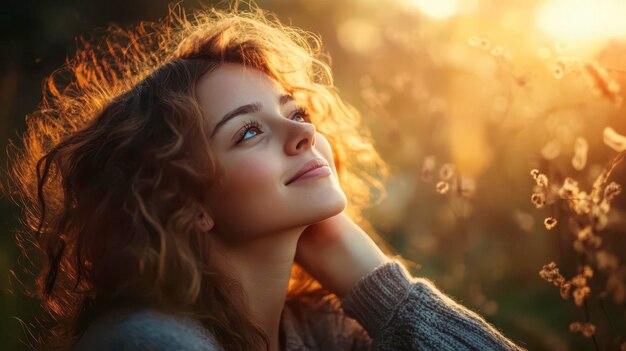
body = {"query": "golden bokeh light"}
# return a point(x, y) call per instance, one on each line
point(583, 21)
point(437, 9)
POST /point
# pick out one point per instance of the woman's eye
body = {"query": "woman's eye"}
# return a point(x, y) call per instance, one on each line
point(247, 131)
point(254, 125)
point(251, 125)
point(301, 113)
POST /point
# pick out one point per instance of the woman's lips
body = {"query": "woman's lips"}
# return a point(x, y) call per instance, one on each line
point(315, 172)
point(307, 167)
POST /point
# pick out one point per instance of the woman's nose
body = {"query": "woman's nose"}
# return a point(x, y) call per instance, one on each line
point(300, 137)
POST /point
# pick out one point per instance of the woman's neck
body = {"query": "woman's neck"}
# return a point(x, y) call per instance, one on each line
point(263, 266)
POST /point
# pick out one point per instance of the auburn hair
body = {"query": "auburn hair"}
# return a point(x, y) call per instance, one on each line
point(116, 164)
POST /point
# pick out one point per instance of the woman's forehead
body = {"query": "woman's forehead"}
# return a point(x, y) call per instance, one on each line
point(232, 85)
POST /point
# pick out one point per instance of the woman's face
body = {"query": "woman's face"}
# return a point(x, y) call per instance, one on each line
point(252, 198)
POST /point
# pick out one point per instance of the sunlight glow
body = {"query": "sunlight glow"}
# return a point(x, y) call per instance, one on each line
point(437, 8)
point(583, 20)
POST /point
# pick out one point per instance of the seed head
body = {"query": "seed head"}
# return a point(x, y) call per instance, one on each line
point(558, 70)
point(575, 327)
point(473, 41)
point(587, 271)
point(442, 187)
point(579, 281)
point(588, 329)
point(550, 222)
point(534, 172)
point(542, 180)
point(612, 190)
point(580, 294)
point(538, 199)
point(446, 171)
point(569, 188)
point(564, 290)
point(614, 140)
point(497, 51)
point(484, 43)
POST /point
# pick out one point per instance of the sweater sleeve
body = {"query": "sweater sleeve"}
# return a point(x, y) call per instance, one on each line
point(401, 312)
point(147, 330)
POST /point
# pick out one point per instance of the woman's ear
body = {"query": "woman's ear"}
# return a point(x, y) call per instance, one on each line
point(204, 222)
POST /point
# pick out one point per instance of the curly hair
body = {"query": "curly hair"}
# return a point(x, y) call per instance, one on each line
point(116, 164)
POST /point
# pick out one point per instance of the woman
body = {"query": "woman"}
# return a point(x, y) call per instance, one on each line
point(191, 182)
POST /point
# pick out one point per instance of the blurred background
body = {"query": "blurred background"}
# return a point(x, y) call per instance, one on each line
point(464, 99)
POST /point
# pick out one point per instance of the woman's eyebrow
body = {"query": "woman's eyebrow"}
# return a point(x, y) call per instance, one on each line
point(248, 108)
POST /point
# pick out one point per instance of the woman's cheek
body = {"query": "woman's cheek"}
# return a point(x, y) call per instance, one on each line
point(252, 172)
point(248, 180)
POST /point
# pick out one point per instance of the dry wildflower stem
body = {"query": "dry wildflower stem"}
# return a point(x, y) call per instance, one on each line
point(588, 212)
point(602, 83)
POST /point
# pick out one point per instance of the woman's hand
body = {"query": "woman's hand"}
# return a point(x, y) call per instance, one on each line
point(337, 252)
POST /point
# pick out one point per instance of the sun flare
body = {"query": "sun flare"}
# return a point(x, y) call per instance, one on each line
point(583, 20)
point(437, 9)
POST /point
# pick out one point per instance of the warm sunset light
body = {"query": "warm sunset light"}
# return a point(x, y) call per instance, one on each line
point(583, 20)
point(437, 9)
point(474, 167)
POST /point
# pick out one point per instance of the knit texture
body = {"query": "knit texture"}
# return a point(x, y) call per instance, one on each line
point(401, 312)
point(146, 329)
point(387, 309)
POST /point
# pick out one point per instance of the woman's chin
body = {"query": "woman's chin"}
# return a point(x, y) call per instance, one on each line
point(332, 205)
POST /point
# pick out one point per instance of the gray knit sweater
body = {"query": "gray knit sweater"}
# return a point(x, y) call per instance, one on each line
point(387, 309)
